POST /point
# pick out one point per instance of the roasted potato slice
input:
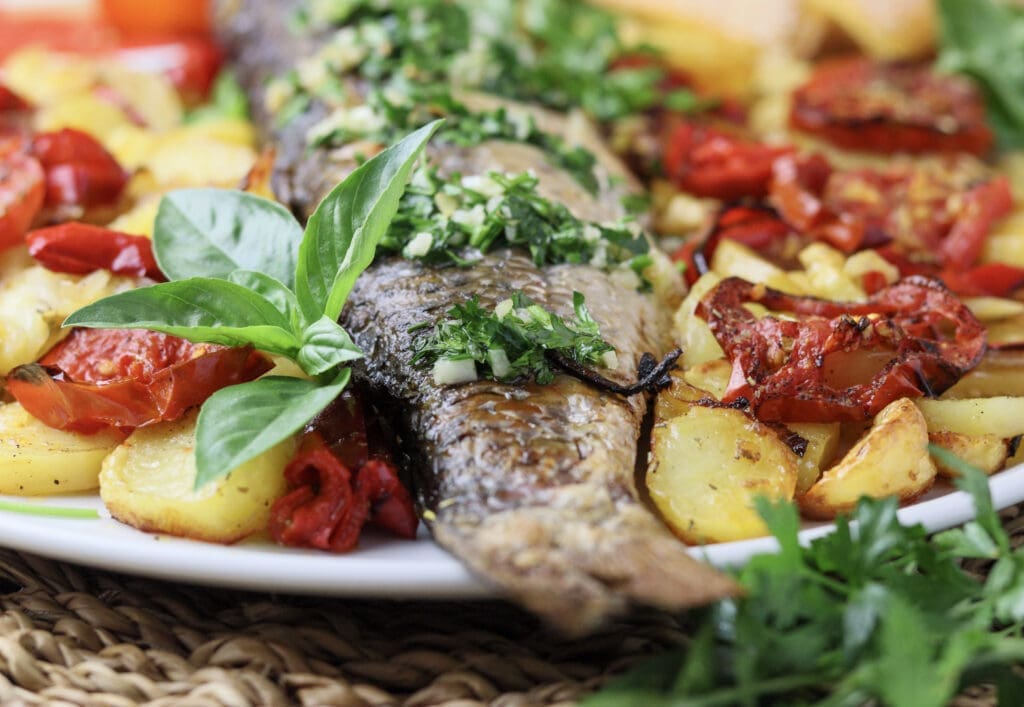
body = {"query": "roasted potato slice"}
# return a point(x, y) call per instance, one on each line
point(709, 464)
point(711, 376)
point(822, 445)
point(36, 460)
point(986, 452)
point(147, 482)
point(692, 332)
point(1002, 416)
point(891, 459)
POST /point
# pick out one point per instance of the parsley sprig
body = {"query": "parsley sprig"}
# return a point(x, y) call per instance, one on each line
point(875, 613)
point(243, 272)
point(510, 342)
point(439, 217)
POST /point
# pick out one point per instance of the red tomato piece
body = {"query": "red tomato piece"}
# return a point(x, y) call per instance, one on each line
point(96, 379)
point(12, 102)
point(859, 104)
point(22, 191)
point(79, 171)
point(82, 248)
point(179, 17)
point(709, 162)
point(757, 227)
point(191, 63)
point(895, 344)
point(989, 279)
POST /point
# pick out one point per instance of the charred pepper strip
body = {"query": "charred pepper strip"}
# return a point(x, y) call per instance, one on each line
point(779, 364)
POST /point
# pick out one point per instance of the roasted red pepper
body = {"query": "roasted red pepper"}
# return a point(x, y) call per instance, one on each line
point(79, 171)
point(859, 104)
point(327, 506)
point(82, 248)
point(96, 379)
point(709, 162)
point(12, 102)
point(781, 366)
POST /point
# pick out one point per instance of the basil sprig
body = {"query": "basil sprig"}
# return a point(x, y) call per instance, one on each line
point(244, 272)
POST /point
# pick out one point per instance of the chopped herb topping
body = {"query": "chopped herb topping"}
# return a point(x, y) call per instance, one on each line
point(417, 55)
point(559, 53)
point(439, 218)
point(509, 342)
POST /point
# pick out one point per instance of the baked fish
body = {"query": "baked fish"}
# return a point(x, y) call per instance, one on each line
point(532, 486)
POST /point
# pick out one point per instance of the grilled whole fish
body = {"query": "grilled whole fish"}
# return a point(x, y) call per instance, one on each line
point(532, 486)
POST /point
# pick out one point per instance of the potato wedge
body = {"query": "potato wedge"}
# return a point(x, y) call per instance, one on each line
point(822, 445)
point(147, 483)
point(36, 460)
point(999, 373)
point(1002, 416)
point(707, 467)
point(692, 332)
point(711, 376)
point(986, 452)
point(890, 460)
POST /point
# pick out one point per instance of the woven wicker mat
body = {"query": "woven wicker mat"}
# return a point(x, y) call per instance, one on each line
point(76, 636)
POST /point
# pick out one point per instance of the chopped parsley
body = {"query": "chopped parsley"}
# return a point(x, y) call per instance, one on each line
point(509, 342)
point(418, 54)
point(438, 219)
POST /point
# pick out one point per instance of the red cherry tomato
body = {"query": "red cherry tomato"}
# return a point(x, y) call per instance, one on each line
point(780, 367)
point(79, 171)
point(709, 162)
point(22, 191)
point(859, 104)
point(191, 63)
point(96, 379)
point(82, 248)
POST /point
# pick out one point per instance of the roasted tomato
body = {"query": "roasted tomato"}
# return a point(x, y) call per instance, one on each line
point(96, 379)
point(22, 191)
point(180, 17)
point(191, 63)
point(841, 361)
point(82, 248)
point(859, 104)
point(79, 171)
point(11, 101)
point(935, 212)
point(758, 227)
point(709, 162)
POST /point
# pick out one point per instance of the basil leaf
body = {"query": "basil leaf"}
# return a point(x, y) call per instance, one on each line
point(273, 291)
point(198, 309)
point(213, 232)
point(342, 234)
point(325, 344)
point(240, 422)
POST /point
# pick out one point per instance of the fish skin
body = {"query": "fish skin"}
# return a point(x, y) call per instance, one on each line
point(533, 487)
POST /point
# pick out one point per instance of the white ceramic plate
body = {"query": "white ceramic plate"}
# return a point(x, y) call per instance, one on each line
point(381, 567)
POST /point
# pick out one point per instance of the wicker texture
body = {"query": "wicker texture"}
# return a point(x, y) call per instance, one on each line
point(76, 636)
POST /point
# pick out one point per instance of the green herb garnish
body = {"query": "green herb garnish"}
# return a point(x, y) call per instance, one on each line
point(244, 273)
point(439, 218)
point(984, 39)
point(875, 613)
point(227, 100)
point(510, 342)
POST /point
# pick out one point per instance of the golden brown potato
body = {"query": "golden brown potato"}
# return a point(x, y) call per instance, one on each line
point(890, 460)
point(1002, 416)
point(822, 445)
point(692, 332)
point(707, 467)
point(36, 460)
point(986, 452)
point(711, 376)
point(999, 373)
point(147, 482)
